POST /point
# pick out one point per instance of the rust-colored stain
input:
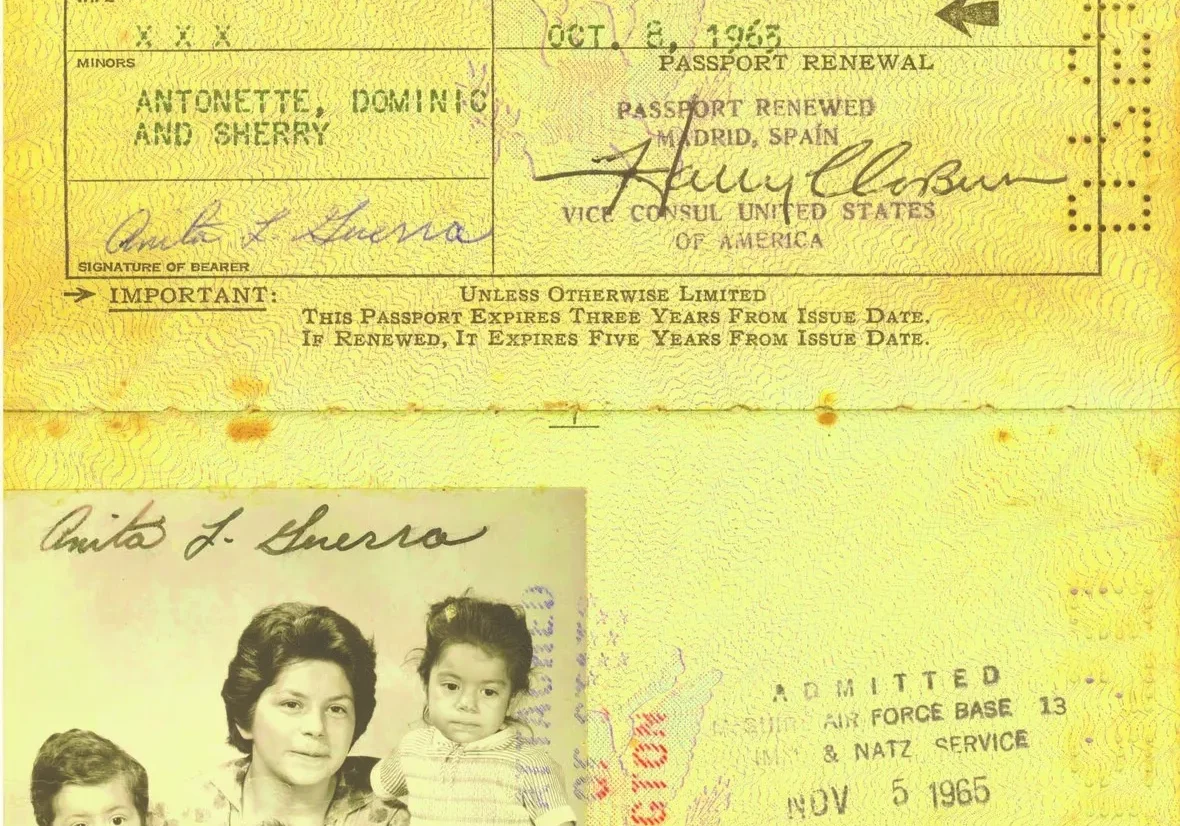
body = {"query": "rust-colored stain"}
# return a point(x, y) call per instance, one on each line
point(1149, 457)
point(56, 428)
point(245, 387)
point(248, 430)
point(562, 406)
point(1003, 436)
point(824, 414)
point(130, 424)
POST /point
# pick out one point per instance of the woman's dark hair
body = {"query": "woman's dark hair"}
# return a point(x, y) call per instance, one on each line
point(289, 632)
point(83, 758)
point(498, 629)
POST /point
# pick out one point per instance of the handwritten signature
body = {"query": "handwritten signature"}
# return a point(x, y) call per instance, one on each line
point(845, 173)
point(75, 533)
point(298, 536)
point(138, 232)
point(137, 532)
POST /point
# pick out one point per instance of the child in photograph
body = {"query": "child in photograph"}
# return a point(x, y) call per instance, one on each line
point(81, 779)
point(472, 763)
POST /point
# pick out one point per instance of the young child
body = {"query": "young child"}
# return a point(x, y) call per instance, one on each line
point(81, 779)
point(471, 764)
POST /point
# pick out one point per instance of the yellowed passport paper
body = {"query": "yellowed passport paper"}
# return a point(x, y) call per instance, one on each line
point(798, 378)
point(781, 621)
point(514, 204)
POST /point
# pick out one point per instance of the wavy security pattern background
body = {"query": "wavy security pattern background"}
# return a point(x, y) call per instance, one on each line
point(757, 549)
point(1015, 343)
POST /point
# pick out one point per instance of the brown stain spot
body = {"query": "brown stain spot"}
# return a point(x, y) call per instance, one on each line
point(414, 407)
point(827, 399)
point(245, 387)
point(826, 417)
point(1149, 457)
point(336, 408)
point(574, 406)
point(1003, 436)
point(249, 430)
point(56, 428)
point(131, 424)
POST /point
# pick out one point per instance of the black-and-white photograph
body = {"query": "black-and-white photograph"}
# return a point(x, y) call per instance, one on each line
point(303, 658)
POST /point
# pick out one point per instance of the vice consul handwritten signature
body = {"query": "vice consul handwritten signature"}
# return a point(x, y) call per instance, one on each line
point(856, 170)
point(138, 232)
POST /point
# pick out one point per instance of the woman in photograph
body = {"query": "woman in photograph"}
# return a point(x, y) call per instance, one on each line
point(298, 694)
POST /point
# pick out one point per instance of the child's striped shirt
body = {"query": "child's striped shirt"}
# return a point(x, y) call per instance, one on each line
point(500, 780)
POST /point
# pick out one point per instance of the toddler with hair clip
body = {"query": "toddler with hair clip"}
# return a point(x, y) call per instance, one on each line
point(472, 763)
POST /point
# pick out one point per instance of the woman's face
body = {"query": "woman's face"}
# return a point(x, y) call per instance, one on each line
point(303, 724)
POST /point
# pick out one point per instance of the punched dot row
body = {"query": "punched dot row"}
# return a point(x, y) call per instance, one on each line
point(1116, 227)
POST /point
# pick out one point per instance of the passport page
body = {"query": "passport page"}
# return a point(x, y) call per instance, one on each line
point(862, 618)
point(590, 205)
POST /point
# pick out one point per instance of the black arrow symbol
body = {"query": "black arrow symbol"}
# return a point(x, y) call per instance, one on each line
point(82, 294)
point(959, 14)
